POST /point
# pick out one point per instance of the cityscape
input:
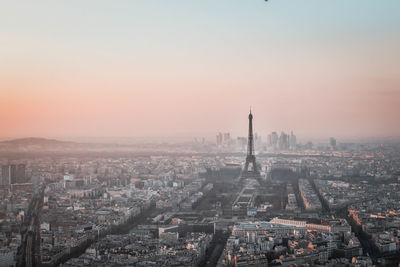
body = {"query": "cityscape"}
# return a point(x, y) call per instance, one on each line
point(244, 202)
point(200, 134)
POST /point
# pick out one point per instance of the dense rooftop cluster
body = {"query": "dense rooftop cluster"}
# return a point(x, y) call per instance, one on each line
point(145, 250)
point(379, 218)
point(159, 210)
point(289, 242)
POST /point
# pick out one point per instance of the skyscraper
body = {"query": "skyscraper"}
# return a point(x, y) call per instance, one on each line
point(274, 140)
point(283, 141)
point(13, 174)
point(332, 142)
point(219, 139)
point(223, 139)
point(292, 141)
point(21, 178)
point(226, 139)
point(9, 174)
point(5, 175)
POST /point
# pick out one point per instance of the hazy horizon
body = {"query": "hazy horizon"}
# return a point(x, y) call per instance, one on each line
point(155, 69)
point(186, 138)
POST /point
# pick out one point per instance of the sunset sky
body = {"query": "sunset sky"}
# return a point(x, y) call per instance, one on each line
point(190, 68)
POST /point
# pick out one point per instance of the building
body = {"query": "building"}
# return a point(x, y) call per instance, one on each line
point(283, 141)
point(273, 140)
point(219, 139)
point(292, 141)
point(338, 225)
point(5, 175)
point(226, 139)
point(9, 174)
point(253, 229)
point(332, 142)
point(20, 173)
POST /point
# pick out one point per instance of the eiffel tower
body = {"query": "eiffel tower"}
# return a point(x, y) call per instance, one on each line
point(250, 158)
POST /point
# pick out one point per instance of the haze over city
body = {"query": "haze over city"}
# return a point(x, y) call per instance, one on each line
point(213, 133)
point(192, 68)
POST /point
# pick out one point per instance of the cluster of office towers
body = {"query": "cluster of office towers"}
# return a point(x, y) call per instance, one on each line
point(282, 142)
point(223, 139)
point(13, 174)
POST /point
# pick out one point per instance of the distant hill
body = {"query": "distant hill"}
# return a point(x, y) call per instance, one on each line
point(34, 141)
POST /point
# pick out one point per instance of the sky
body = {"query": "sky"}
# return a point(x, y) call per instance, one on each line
point(190, 68)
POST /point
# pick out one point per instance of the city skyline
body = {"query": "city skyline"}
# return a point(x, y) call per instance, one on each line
point(200, 133)
point(189, 69)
